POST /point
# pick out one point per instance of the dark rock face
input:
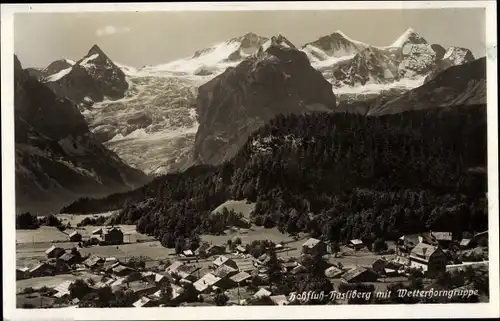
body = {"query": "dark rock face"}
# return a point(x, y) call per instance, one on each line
point(35, 73)
point(57, 157)
point(454, 56)
point(278, 80)
point(335, 45)
point(57, 66)
point(94, 76)
point(458, 85)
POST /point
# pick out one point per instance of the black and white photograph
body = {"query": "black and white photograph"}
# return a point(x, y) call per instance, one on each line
point(250, 157)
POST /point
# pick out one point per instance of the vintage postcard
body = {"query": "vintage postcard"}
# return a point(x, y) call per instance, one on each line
point(245, 160)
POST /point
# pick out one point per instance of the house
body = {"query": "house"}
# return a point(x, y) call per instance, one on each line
point(245, 265)
point(188, 253)
point(279, 299)
point(406, 243)
point(22, 273)
point(467, 244)
point(298, 269)
point(42, 269)
point(205, 284)
point(93, 261)
point(141, 288)
point(224, 260)
point(176, 292)
point(262, 293)
point(356, 244)
point(360, 274)
point(112, 236)
point(97, 232)
point(75, 236)
point(122, 270)
point(119, 283)
point(224, 271)
point(54, 252)
point(155, 278)
point(333, 272)
point(172, 268)
point(263, 259)
point(215, 250)
point(62, 289)
point(69, 258)
point(379, 266)
point(201, 251)
point(430, 259)
point(188, 272)
point(314, 247)
point(241, 278)
point(442, 238)
point(241, 249)
point(288, 266)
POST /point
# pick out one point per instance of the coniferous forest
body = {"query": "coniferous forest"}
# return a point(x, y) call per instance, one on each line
point(336, 176)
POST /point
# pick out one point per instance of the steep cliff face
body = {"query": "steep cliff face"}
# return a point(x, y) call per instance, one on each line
point(277, 80)
point(57, 157)
point(92, 78)
point(458, 85)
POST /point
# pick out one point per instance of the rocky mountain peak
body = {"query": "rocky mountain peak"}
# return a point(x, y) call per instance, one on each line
point(410, 36)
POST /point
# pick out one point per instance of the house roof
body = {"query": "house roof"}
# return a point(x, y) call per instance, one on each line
point(53, 248)
point(312, 242)
point(97, 230)
point(224, 270)
point(355, 272)
point(332, 272)
point(39, 266)
point(176, 291)
point(186, 270)
point(240, 277)
point(205, 281)
point(63, 287)
point(480, 234)
point(442, 236)
point(93, 260)
point(262, 293)
point(423, 251)
point(356, 242)
point(23, 269)
point(410, 240)
point(139, 285)
point(74, 233)
point(245, 265)
point(188, 252)
point(66, 257)
point(465, 242)
point(174, 267)
point(222, 259)
point(141, 302)
point(279, 299)
point(120, 268)
point(241, 248)
point(203, 247)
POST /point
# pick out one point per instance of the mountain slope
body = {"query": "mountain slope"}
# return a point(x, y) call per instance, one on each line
point(458, 85)
point(57, 158)
point(278, 80)
point(92, 78)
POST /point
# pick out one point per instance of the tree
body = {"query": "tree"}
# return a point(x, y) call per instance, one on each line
point(137, 262)
point(79, 289)
point(180, 244)
point(379, 245)
point(274, 268)
point(26, 221)
point(335, 248)
point(168, 240)
point(220, 298)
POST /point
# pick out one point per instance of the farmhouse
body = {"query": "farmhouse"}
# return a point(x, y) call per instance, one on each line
point(428, 258)
point(22, 273)
point(356, 244)
point(122, 270)
point(245, 265)
point(172, 268)
point(225, 271)
point(42, 269)
point(314, 247)
point(360, 274)
point(224, 260)
point(333, 272)
point(442, 238)
point(75, 236)
point(93, 261)
point(54, 252)
point(69, 258)
point(187, 272)
point(112, 236)
point(176, 292)
point(205, 284)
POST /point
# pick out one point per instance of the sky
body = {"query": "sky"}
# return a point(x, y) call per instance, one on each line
point(150, 38)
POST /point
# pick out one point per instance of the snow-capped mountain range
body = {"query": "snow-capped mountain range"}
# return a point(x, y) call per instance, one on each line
point(147, 115)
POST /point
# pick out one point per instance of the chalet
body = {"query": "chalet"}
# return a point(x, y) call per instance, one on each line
point(93, 261)
point(188, 272)
point(188, 253)
point(122, 270)
point(360, 274)
point(42, 269)
point(428, 258)
point(102, 284)
point(155, 278)
point(141, 288)
point(215, 250)
point(224, 260)
point(262, 293)
point(201, 251)
point(69, 258)
point(54, 252)
point(246, 265)
point(176, 292)
point(241, 249)
point(225, 271)
point(62, 289)
point(206, 283)
point(110, 263)
point(279, 299)
point(144, 302)
point(442, 238)
point(314, 247)
point(241, 278)
point(172, 268)
point(406, 243)
point(333, 272)
point(112, 236)
point(356, 244)
point(22, 273)
point(466, 244)
point(59, 266)
point(75, 236)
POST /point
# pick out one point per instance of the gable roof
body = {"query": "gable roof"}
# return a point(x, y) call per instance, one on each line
point(224, 260)
point(186, 270)
point(442, 236)
point(63, 287)
point(262, 293)
point(279, 299)
point(93, 260)
point(465, 242)
point(66, 257)
point(224, 270)
point(174, 267)
point(141, 302)
point(52, 249)
point(355, 272)
point(356, 242)
point(241, 248)
point(74, 233)
point(332, 272)
point(312, 242)
point(240, 277)
point(423, 251)
point(205, 281)
point(97, 230)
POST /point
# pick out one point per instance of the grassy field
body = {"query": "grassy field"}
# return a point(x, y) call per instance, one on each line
point(40, 235)
point(238, 206)
point(52, 281)
point(75, 219)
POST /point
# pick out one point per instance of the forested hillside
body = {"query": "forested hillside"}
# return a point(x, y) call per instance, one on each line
point(337, 176)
